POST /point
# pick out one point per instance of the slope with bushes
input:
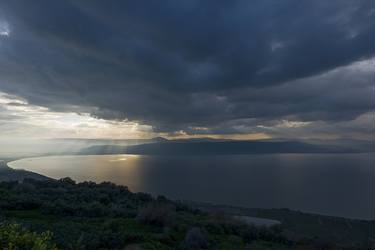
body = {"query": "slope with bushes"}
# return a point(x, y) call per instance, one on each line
point(66, 215)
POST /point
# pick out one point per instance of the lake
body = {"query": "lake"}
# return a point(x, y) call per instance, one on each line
point(331, 184)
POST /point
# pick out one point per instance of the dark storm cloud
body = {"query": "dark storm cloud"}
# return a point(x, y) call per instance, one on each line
point(183, 65)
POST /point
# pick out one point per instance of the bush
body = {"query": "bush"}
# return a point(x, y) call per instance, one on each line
point(157, 214)
point(195, 239)
point(67, 181)
point(13, 236)
point(92, 209)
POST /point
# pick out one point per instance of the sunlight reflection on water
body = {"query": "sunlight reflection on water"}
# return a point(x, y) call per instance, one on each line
point(341, 185)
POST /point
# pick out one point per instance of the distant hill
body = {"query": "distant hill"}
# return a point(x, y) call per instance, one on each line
point(359, 145)
point(109, 141)
point(62, 146)
point(216, 147)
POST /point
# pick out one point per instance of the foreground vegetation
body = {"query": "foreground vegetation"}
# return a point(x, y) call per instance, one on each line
point(64, 215)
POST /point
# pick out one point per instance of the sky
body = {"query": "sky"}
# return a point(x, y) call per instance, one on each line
point(225, 69)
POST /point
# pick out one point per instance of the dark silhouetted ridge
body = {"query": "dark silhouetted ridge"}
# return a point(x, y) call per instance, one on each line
point(216, 147)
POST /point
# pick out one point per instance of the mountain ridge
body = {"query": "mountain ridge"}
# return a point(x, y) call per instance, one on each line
point(181, 147)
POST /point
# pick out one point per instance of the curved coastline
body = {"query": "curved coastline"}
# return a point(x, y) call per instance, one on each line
point(156, 174)
point(8, 173)
point(251, 220)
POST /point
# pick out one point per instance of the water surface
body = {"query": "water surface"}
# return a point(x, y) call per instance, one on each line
point(333, 184)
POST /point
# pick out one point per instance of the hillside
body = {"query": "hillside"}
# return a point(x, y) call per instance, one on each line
point(106, 216)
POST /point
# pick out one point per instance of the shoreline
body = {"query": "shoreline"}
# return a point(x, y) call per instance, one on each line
point(251, 220)
point(8, 173)
point(232, 209)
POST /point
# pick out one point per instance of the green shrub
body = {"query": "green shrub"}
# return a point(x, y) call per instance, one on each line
point(14, 237)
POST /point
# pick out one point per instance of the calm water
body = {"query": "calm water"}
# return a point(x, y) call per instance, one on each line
point(340, 185)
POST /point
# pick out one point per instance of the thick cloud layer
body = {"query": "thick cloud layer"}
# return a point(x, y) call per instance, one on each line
point(197, 66)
